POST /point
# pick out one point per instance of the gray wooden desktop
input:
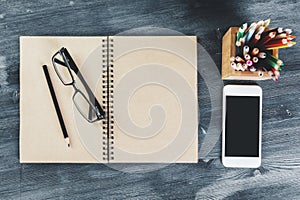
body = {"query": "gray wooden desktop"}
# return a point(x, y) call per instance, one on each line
point(277, 178)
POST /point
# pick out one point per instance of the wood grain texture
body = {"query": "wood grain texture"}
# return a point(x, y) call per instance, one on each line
point(277, 178)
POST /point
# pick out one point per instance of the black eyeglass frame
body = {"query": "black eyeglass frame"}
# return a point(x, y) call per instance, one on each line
point(69, 63)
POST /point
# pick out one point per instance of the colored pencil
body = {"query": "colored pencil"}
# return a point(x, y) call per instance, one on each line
point(262, 55)
point(247, 57)
point(255, 51)
point(254, 45)
point(290, 44)
point(268, 38)
point(250, 32)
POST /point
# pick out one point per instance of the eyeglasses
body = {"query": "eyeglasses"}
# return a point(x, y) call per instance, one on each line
point(84, 99)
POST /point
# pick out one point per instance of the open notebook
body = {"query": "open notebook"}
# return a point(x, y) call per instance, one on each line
point(147, 86)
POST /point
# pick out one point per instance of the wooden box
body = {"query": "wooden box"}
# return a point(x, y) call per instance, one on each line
point(228, 50)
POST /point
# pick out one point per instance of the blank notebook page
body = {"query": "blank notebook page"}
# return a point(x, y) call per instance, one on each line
point(155, 99)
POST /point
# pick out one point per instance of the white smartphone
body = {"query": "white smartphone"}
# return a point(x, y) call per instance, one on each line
point(241, 128)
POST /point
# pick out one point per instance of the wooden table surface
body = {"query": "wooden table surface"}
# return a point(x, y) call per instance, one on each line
point(277, 178)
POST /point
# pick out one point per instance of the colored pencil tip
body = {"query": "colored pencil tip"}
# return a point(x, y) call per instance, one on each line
point(260, 23)
point(288, 30)
point(267, 22)
point(291, 44)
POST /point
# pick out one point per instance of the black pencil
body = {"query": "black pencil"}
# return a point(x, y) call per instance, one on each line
point(56, 105)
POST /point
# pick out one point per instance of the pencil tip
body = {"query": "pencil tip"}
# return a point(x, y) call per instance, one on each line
point(67, 140)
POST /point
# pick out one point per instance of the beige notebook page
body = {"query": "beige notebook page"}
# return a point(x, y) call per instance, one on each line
point(41, 138)
point(155, 99)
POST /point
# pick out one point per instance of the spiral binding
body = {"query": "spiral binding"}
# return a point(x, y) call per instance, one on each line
point(107, 98)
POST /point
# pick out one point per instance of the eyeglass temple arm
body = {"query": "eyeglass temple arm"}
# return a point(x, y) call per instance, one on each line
point(79, 75)
point(59, 62)
point(91, 95)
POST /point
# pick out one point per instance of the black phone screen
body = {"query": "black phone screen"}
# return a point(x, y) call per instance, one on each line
point(242, 126)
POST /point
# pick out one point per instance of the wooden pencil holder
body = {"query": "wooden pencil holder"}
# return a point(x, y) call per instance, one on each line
point(229, 50)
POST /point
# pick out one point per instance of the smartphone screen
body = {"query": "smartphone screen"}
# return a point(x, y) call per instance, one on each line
point(242, 126)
